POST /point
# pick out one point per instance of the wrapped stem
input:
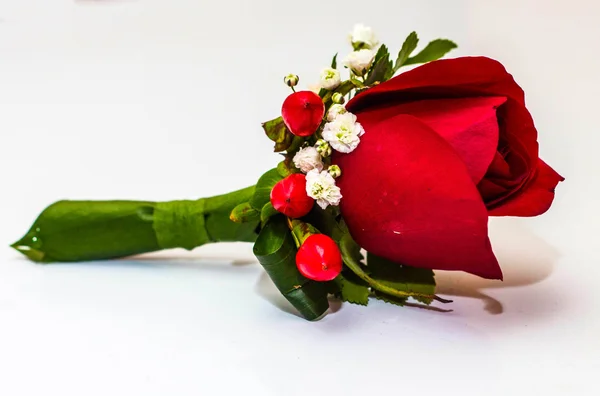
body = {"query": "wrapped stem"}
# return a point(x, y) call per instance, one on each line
point(98, 230)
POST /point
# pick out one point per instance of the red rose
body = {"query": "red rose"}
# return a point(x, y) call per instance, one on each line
point(446, 145)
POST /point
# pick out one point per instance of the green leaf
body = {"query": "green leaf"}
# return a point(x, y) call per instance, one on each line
point(277, 131)
point(401, 277)
point(302, 230)
point(297, 142)
point(276, 251)
point(400, 301)
point(244, 213)
point(434, 50)
point(265, 184)
point(283, 168)
point(353, 289)
point(267, 212)
point(382, 67)
point(409, 45)
point(334, 62)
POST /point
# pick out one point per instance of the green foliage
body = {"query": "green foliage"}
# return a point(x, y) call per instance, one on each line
point(267, 212)
point(285, 167)
point(244, 213)
point(352, 289)
point(400, 301)
point(409, 45)
point(277, 131)
point(265, 184)
point(334, 61)
point(302, 230)
point(382, 67)
point(401, 277)
point(433, 51)
point(276, 251)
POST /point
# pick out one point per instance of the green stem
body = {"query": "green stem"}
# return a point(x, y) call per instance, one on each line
point(98, 230)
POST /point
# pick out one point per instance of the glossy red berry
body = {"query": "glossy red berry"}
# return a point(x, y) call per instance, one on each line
point(289, 196)
point(319, 258)
point(303, 112)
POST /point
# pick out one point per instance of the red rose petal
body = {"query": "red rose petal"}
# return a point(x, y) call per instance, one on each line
point(468, 124)
point(455, 78)
point(303, 112)
point(536, 198)
point(470, 77)
point(416, 204)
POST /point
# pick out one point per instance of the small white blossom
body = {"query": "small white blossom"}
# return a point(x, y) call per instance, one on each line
point(343, 133)
point(307, 159)
point(334, 111)
point(363, 37)
point(330, 79)
point(321, 186)
point(359, 61)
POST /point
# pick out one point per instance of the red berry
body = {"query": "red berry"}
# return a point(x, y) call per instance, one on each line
point(319, 258)
point(289, 196)
point(303, 112)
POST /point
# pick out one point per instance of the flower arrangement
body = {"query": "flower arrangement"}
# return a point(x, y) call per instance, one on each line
point(407, 167)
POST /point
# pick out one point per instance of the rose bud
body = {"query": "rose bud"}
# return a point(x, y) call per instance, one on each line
point(447, 144)
point(303, 112)
point(319, 258)
point(289, 196)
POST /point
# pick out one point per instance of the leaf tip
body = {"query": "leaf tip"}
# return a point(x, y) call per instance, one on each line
point(28, 251)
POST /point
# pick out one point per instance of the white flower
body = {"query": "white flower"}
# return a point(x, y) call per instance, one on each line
point(343, 133)
point(360, 61)
point(334, 111)
point(307, 159)
point(330, 78)
point(363, 37)
point(321, 186)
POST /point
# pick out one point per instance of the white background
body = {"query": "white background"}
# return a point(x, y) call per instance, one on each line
point(155, 99)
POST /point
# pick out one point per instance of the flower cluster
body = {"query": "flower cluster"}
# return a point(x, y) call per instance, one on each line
point(365, 44)
point(338, 130)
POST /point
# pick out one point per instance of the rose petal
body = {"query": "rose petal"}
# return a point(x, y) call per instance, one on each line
point(468, 77)
point(468, 124)
point(416, 204)
point(535, 198)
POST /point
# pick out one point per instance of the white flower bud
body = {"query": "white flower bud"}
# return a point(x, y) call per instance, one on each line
point(307, 159)
point(363, 37)
point(330, 79)
point(321, 186)
point(323, 148)
point(343, 133)
point(291, 80)
point(338, 98)
point(360, 61)
point(334, 111)
point(334, 171)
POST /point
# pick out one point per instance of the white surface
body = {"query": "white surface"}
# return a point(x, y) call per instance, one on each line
point(144, 99)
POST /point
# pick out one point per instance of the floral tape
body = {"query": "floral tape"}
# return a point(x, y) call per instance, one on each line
point(180, 224)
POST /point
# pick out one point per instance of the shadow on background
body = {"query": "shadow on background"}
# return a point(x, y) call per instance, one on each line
point(525, 260)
